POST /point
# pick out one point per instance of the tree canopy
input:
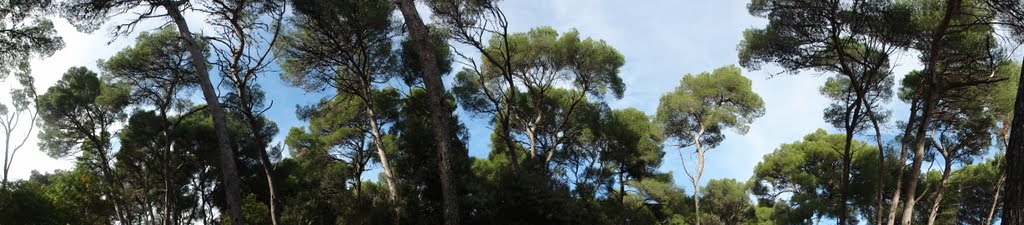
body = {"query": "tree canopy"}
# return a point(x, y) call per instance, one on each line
point(465, 117)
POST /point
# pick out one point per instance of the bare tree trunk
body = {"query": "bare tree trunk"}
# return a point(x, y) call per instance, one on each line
point(695, 178)
point(9, 126)
point(167, 174)
point(7, 159)
point(260, 137)
point(852, 115)
point(915, 167)
point(940, 191)
point(904, 147)
point(930, 87)
point(229, 170)
point(881, 165)
point(995, 200)
point(696, 183)
point(389, 176)
point(622, 194)
point(438, 108)
point(266, 166)
point(1013, 201)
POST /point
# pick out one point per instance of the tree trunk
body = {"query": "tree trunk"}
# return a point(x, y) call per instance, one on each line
point(232, 191)
point(438, 108)
point(1013, 201)
point(260, 137)
point(389, 175)
point(700, 170)
point(847, 161)
point(7, 148)
point(904, 147)
point(696, 184)
point(881, 166)
point(695, 179)
point(995, 200)
point(915, 167)
point(940, 191)
point(265, 164)
point(930, 87)
point(167, 173)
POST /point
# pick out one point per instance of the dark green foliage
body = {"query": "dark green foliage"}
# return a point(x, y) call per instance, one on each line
point(416, 160)
point(533, 94)
point(728, 200)
point(24, 34)
point(560, 153)
point(704, 105)
point(806, 170)
point(63, 197)
point(80, 102)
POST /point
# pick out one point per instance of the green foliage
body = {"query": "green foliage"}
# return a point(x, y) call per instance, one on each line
point(727, 200)
point(541, 58)
point(541, 93)
point(158, 68)
point(25, 33)
point(345, 45)
point(416, 159)
point(63, 197)
point(973, 191)
point(806, 171)
point(636, 142)
point(822, 36)
point(705, 104)
point(410, 68)
point(559, 153)
point(77, 112)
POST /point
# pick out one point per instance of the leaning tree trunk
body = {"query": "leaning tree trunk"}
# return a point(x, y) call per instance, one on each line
point(995, 199)
point(929, 85)
point(852, 115)
point(389, 175)
point(265, 163)
point(915, 167)
point(880, 196)
point(940, 192)
point(232, 191)
point(438, 106)
point(894, 204)
point(695, 178)
point(256, 125)
point(1013, 201)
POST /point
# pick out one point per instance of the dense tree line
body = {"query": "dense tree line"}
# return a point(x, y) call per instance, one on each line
point(145, 153)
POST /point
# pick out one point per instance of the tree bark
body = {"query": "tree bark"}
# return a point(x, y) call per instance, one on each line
point(1013, 201)
point(904, 147)
point(852, 117)
point(438, 108)
point(259, 137)
point(229, 170)
point(995, 200)
point(695, 179)
point(940, 191)
point(915, 167)
point(696, 183)
point(880, 197)
point(930, 88)
point(389, 175)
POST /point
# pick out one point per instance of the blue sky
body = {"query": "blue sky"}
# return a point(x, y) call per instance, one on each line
point(661, 40)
